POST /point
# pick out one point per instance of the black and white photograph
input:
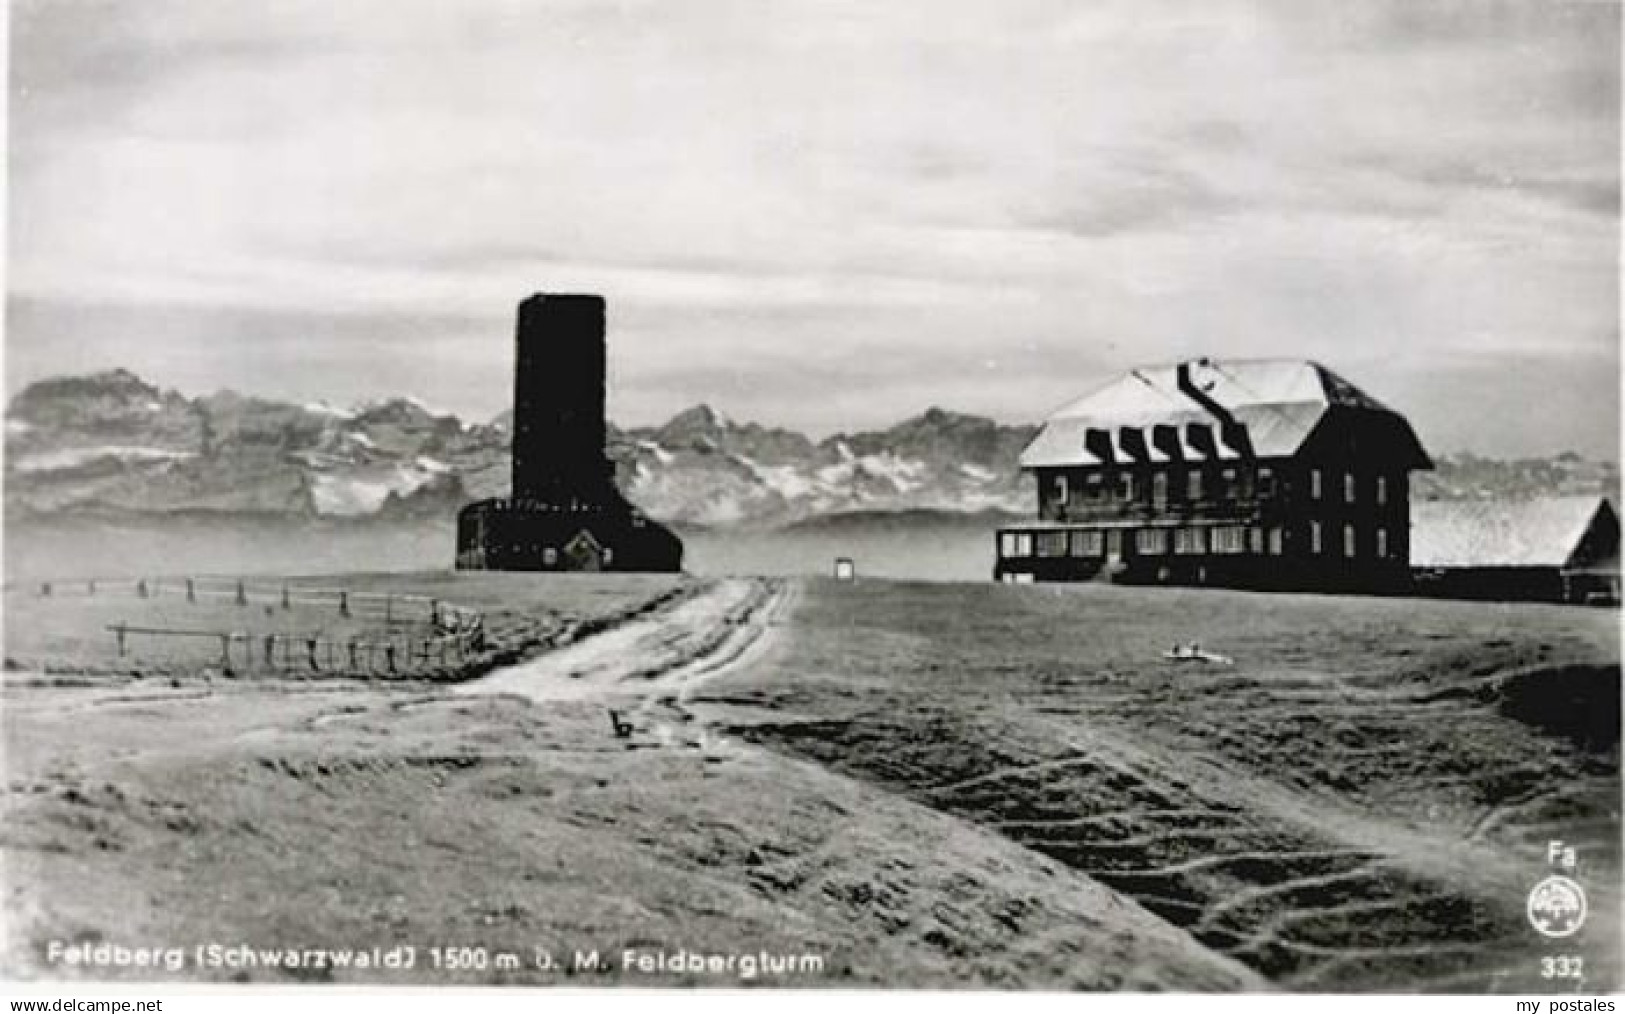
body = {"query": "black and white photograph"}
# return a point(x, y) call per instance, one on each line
point(1036, 496)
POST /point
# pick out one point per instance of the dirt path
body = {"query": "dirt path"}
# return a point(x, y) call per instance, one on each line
point(647, 669)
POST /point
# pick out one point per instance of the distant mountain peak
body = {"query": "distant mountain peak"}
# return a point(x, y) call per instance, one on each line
point(117, 383)
point(701, 415)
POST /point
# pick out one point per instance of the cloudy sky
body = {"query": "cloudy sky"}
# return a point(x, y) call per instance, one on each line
point(828, 214)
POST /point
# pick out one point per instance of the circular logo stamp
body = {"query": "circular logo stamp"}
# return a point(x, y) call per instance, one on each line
point(1557, 907)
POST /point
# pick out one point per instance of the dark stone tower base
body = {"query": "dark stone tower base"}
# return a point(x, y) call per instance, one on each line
point(531, 535)
point(565, 512)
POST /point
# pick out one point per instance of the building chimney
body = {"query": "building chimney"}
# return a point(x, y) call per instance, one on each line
point(1232, 432)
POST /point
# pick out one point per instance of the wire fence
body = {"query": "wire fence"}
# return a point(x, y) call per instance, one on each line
point(388, 634)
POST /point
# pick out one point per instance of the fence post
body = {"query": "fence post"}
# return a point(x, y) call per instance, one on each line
point(225, 654)
point(270, 651)
point(355, 666)
point(45, 589)
point(310, 645)
point(141, 588)
point(191, 590)
point(91, 587)
point(389, 655)
point(285, 603)
point(434, 613)
point(242, 594)
point(389, 609)
point(344, 610)
point(119, 632)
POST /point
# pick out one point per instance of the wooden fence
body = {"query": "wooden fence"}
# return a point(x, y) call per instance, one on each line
point(421, 634)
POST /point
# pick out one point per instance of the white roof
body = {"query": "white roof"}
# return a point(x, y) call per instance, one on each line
point(1279, 401)
point(1538, 532)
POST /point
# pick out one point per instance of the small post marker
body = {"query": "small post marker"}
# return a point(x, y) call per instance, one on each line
point(242, 594)
point(191, 590)
point(120, 632)
point(344, 603)
point(286, 603)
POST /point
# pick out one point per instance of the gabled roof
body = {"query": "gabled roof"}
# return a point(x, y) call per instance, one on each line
point(1279, 401)
point(1541, 532)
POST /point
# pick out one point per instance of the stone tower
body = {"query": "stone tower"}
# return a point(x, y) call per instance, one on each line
point(565, 512)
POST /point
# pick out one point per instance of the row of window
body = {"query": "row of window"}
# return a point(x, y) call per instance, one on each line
point(1221, 540)
point(1232, 482)
point(1125, 486)
point(1351, 487)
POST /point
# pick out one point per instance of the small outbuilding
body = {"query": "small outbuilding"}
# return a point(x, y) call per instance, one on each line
point(1544, 549)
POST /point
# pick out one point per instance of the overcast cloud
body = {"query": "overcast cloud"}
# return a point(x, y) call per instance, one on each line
point(828, 214)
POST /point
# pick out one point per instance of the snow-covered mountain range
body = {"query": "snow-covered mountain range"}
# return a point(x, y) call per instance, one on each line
point(114, 443)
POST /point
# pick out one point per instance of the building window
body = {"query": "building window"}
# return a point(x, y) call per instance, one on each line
point(1126, 487)
point(1382, 489)
point(1114, 543)
point(1266, 481)
point(1349, 541)
point(1151, 541)
point(1314, 536)
point(1277, 541)
point(1050, 544)
point(1255, 541)
point(1159, 487)
point(1087, 543)
point(1228, 484)
point(1348, 487)
point(1230, 540)
point(1314, 484)
point(1193, 484)
point(1382, 541)
point(1190, 541)
point(1061, 492)
point(1014, 546)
